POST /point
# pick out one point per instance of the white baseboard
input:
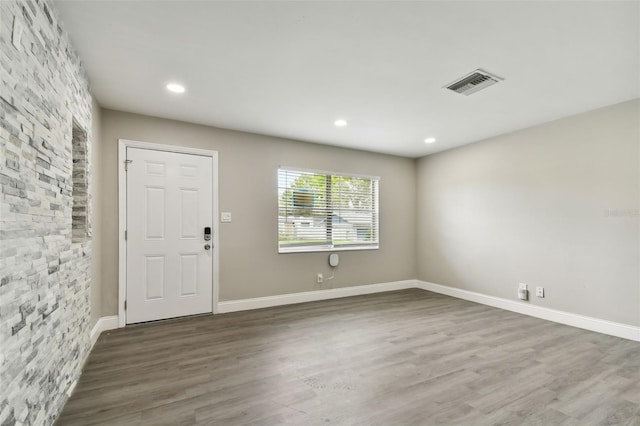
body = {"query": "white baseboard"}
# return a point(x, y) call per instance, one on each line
point(589, 323)
point(72, 388)
point(625, 331)
point(311, 296)
point(103, 324)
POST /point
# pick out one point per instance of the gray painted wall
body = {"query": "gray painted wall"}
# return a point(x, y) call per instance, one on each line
point(44, 273)
point(250, 265)
point(554, 205)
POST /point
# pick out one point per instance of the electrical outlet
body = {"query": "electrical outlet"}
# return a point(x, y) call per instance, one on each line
point(540, 291)
point(319, 278)
point(522, 286)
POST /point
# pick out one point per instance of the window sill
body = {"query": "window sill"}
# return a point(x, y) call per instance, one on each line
point(308, 249)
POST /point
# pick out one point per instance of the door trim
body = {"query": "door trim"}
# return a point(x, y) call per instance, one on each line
point(123, 144)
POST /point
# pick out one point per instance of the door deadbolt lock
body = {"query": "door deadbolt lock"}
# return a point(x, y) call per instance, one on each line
point(207, 234)
point(207, 246)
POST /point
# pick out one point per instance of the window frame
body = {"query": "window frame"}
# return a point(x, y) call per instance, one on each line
point(324, 246)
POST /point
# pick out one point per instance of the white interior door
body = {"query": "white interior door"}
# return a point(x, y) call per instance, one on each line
point(169, 268)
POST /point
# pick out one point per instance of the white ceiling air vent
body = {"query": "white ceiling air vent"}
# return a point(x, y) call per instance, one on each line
point(473, 82)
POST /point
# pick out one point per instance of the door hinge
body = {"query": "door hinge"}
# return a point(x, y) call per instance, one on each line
point(125, 235)
point(126, 165)
point(125, 305)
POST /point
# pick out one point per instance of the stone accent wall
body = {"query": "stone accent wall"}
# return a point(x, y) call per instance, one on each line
point(44, 273)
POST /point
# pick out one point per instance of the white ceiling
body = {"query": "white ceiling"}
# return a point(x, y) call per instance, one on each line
point(290, 69)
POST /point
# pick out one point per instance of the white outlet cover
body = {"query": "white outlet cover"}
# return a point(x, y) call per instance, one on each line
point(225, 217)
point(522, 286)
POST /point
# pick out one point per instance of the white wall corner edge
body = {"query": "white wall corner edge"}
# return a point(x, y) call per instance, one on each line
point(311, 296)
point(611, 328)
point(103, 324)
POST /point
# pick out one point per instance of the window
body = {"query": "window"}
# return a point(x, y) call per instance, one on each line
point(321, 211)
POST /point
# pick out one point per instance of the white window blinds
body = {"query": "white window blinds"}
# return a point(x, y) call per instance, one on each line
point(326, 211)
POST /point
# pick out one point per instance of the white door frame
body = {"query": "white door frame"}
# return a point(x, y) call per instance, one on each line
point(123, 144)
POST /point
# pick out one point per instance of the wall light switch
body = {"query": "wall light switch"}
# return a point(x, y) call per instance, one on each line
point(225, 217)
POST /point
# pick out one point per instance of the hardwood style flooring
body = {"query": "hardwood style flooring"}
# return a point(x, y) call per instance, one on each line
point(409, 357)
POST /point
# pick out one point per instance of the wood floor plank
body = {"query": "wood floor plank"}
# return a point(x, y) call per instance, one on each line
point(402, 358)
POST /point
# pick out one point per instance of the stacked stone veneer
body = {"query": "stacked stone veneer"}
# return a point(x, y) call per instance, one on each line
point(79, 212)
point(44, 269)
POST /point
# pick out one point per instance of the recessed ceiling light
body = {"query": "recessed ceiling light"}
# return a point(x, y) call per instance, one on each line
point(429, 140)
point(175, 88)
point(340, 123)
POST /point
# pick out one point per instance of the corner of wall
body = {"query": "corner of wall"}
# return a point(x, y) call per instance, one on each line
point(95, 189)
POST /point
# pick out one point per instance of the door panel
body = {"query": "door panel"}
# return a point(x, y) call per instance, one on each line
point(169, 203)
point(188, 274)
point(154, 277)
point(154, 213)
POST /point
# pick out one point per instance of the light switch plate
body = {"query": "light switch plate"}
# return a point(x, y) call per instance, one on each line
point(225, 217)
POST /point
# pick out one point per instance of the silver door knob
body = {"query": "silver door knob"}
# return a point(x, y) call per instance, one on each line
point(207, 246)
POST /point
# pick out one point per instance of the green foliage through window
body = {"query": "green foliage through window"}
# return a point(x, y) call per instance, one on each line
point(321, 210)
